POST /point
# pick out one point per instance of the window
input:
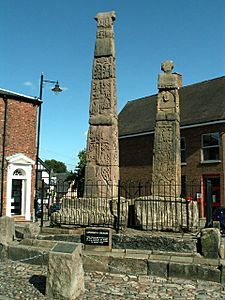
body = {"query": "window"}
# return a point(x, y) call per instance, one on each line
point(210, 147)
point(183, 150)
point(18, 172)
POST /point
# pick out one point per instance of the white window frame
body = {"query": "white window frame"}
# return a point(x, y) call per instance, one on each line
point(209, 147)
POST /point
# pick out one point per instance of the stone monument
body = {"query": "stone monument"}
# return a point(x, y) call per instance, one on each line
point(164, 209)
point(102, 159)
point(166, 177)
point(102, 169)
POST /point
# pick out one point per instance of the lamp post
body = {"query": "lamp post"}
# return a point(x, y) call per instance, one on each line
point(56, 90)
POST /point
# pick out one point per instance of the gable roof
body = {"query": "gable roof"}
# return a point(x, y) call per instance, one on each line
point(199, 103)
point(18, 96)
point(20, 158)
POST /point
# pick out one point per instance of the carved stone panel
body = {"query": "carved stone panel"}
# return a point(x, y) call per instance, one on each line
point(165, 152)
point(166, 101)
point(104, 68)
point(102, 95)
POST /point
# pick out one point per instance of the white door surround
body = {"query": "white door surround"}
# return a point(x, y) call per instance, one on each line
point(20, 168)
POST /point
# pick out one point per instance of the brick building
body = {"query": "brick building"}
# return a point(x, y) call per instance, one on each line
point(18, 119)
point(202, 107)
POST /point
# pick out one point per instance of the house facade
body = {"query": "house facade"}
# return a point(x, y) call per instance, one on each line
point(18, 120)
point(202, 113)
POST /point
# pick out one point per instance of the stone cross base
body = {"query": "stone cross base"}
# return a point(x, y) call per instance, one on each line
point(172, 214)
point(91, 211)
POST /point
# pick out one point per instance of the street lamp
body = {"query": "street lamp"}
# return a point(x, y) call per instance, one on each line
point(56, 90)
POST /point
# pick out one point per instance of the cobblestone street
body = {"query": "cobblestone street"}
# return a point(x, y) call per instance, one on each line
point(27, 282)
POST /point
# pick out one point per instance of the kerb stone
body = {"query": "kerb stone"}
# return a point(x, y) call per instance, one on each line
point(158, 268)
point(194, 272)
point(133, 266)
point(65, 279)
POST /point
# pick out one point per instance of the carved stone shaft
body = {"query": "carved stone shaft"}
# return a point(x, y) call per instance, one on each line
point(102, 169)
point(166, 175)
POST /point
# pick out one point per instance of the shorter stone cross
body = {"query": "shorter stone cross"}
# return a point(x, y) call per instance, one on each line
point(166, 175)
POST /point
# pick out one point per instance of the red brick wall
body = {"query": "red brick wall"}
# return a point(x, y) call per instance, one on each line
point(136, 156)
point(194, 168)
point(20, 134)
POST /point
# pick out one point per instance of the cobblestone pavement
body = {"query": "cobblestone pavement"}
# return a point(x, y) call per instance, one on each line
point(27, 282)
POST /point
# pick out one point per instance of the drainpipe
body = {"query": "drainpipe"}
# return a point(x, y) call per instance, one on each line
point(3, 153)
point(37, 149)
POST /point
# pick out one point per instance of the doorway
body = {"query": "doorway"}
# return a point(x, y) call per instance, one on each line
point(19, 198)
point(215, 185)
point(16, 202)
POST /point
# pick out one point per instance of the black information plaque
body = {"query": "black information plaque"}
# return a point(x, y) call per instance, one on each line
point(98, 237)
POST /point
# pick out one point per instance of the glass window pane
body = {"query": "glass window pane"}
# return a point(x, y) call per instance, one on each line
point(211, 139)
point(211, 153)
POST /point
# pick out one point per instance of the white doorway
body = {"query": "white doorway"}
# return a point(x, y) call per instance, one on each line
point(19, 186)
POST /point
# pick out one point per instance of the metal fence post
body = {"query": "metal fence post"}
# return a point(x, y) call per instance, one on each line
point(42, 201)
point(118, 209)
point(188, 200)
point(208, 203)
point(139, 189)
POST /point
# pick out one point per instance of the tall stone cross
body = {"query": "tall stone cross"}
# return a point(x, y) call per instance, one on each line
point(102, 169)
point(166, 177)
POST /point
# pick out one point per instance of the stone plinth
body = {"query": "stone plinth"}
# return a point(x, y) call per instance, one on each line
point(155, 213)
point(7, 230)
point(65, 279)
point(91, 211)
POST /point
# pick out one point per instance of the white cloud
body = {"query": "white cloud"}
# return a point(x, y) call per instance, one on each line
point(28, 83)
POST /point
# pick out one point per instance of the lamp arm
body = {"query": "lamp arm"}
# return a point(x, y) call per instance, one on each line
point(50, 81)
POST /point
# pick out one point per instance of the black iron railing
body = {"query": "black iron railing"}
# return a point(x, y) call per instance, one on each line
point(141, 205)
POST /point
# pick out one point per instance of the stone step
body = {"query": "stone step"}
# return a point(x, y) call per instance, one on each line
point(128, 261)
point(165, 242)
point(155, 264)
point(20, 219)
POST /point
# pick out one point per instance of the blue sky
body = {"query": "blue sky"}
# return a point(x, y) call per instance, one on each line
point(57, 38)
